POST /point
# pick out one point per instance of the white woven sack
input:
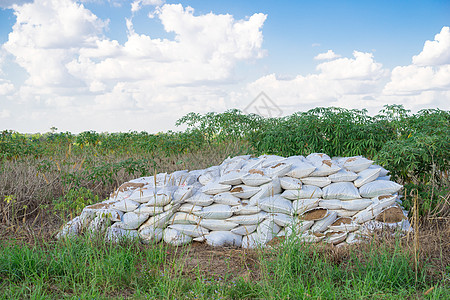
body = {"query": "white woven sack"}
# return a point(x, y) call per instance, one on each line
point(282, 220)
point(322, 225)
point(331, 203)
point(277, 170)
point(215, 187)
point(346, 213)
point(244, 192)
point(160, 221)
point(300, 170)
point(182, 193)
point(182, 178)
point(148, 209)
point(244, 229)
point(201, 199)
point(276, 204)
point(160, 180)
point(311, 237)
point(343, 175)
point(109, 213)
point(316, 181)
point(227, 198)
point(215, 211)
point(251, 241)
point(317, 157)
point(356, 163)
point(388, 177)
point(266, 190)
point(72, 228)
point(190, 230)
point(183, 218)
point(315, 214)
point(269, 160)
point(254, 178)
point(245, 209)
point(189, 208)
point(302, 205)
point(354, 237)
point(383, 171)
point(384, 201)
point(116, 235)
point(150, 234)
point(367, 214)
point(357, 204)
point(341, 191)
point(233, 177)
point(231, 164)
point(335, 238)
point(299, 227)
point(176, 238)
point(378, 188)
point(344, 224)
point(366, 176)
point(132, 220)
point(289, 183)
point(248, 219)
point(324, 168)
point(267, 230)
point(253, 163)
point(209, 175)
point(295, 159)
point(221, 225)
point(125, 205)
point(223, 239)
point(306, 192)
point(168, 206)
point(158, 197)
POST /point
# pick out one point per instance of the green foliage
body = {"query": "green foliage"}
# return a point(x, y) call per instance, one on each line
point(73, 202)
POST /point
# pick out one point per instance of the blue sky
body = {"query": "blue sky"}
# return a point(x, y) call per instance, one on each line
point(376, 55)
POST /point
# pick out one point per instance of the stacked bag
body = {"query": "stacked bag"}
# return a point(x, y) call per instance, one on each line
point(246, 202)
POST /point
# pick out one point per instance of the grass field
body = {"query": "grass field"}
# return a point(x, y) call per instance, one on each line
point(88, 268)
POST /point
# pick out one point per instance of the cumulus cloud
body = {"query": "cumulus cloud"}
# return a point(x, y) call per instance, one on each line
point(71, 64)
point(4, 114)
point(361, 82)
point(138, 4)
point(340, 82)
point(326, 55)
point(6, 87)
point(47, 35)
point(429, 71)
point(435, 52)
point(10, 3)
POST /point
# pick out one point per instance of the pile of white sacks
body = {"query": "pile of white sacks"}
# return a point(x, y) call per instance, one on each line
point(247, 202)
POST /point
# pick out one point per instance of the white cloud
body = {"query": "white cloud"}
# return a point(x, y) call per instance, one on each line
point(138, 4)
point(361, 82)
point(11, 3)
point(430, 70)
point(327, 55)
point(6, 87)
point(435, 52)
point(4, 114)
point(47, 35)
point(74, 69)
point(340, 82)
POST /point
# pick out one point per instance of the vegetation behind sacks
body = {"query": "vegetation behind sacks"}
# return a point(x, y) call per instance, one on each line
point(40, 171)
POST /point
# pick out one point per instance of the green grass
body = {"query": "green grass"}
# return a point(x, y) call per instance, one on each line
point(88, 268)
